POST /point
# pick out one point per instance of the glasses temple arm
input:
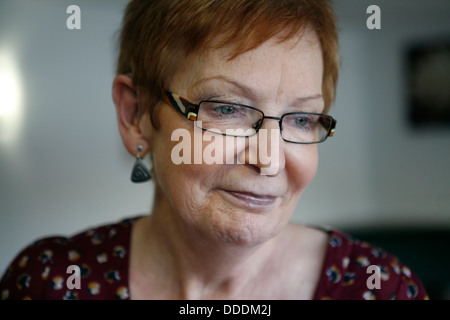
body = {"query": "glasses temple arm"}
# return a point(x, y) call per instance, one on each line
point(189, 110)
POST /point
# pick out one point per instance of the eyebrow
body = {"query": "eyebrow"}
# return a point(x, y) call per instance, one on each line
point(247, 90)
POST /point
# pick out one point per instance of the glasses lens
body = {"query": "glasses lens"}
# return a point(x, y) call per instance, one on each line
point(305, 127)
point(227, 118)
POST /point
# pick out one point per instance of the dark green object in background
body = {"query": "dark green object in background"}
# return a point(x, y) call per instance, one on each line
point(425, 250)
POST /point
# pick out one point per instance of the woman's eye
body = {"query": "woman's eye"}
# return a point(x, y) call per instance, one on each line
point(225, 110)
point(301, 122)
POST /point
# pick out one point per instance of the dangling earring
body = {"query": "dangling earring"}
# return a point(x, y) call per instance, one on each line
point(140, 172)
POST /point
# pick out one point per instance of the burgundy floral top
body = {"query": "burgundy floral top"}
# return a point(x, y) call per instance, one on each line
point(352, 269)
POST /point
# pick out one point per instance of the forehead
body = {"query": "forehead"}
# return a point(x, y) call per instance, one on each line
point(294, 64)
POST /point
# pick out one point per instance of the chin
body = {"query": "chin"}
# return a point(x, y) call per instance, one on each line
point(247, 229)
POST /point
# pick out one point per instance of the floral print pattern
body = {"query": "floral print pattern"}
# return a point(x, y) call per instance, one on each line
point(102, 255)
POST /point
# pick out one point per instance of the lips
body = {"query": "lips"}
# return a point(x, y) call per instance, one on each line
point(252, 200)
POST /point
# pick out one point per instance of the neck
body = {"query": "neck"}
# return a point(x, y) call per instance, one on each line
point(194, 264)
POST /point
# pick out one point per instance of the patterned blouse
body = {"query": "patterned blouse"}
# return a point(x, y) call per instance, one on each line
point(48, 269)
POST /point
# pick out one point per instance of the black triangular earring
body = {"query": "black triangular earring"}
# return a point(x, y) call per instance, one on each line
point(140, 172)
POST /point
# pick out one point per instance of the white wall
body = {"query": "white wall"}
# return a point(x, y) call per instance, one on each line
point(63, 167)
point(378, 170)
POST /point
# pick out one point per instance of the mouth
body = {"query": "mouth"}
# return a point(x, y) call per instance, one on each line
point(252, 200)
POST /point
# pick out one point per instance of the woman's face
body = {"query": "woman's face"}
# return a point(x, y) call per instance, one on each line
point(238, 200)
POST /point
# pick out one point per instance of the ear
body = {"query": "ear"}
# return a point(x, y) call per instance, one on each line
point(126, 99)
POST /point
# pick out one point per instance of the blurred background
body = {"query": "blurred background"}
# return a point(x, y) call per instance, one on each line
point(384, 176)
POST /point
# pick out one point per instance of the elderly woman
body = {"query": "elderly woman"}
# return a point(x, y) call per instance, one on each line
point(229, 99)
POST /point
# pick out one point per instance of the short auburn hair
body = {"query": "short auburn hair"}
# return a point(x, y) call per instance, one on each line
point(157, 35)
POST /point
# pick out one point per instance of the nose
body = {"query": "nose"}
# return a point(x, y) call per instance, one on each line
point(264, 150)
point(260, 122)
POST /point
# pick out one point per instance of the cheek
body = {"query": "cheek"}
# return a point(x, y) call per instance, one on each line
point(301, 166)
point(179, 161)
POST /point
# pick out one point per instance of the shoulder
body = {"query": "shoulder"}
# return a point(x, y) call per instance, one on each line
point(41, 270)
point(355, 269)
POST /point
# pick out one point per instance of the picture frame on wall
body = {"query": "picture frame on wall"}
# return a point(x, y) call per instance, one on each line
point(428, 83)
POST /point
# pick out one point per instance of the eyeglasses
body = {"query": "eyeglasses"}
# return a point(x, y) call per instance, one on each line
point(239, 120)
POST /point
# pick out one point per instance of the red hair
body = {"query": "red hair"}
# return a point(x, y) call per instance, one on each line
point(157, 35)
